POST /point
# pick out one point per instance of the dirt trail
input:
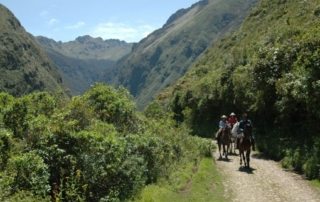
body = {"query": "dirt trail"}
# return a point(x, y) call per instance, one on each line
point(265, 182)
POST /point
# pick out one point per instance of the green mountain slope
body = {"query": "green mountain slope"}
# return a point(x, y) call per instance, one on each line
point(269, 67)
point(24, 67)
point(82, 62)
point(166, 54)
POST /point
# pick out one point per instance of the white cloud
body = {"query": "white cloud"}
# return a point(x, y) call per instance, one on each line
point(129, 33)
point(53, 21)
point(77, 25)
point(147, 30)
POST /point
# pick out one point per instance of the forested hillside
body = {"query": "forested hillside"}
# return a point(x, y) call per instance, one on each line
point(270, 67)
point(24, 67)
point(166, 54)
point(82, 62)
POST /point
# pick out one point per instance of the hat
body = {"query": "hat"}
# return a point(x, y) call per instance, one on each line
point(232, 114)
point(223, 116)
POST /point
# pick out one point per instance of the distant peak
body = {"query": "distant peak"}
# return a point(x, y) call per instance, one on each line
point(88, 38)
point(44, 39)
point(201, 3)
point(3, 8)
point(85, 38)
point(8, 18)
point(183, 11)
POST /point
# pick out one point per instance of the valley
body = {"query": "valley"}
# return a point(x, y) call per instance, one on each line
point(85, 60)
point(102, 119)
point(160, 59)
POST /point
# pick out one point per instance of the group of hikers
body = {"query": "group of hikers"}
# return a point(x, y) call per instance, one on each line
point(228, 123)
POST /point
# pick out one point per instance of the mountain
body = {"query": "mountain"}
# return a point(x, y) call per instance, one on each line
point(82, 62)
point(270, 67)
point(165, 55)
point(24, 67)
point(256, 67)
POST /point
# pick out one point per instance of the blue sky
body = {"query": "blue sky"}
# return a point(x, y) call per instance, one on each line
point(64, 20)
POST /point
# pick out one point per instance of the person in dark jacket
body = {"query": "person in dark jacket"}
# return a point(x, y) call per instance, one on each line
point(246, 122)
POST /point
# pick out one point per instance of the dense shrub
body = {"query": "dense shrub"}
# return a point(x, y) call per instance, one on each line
point(27, 172)
point(94, 147)
point(5, 148)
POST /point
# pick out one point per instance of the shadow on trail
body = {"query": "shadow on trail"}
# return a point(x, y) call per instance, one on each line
point(246, 170)
point(224, 159)
point(260, 156)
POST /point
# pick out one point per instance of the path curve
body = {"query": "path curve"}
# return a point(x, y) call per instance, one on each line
point(265, 182)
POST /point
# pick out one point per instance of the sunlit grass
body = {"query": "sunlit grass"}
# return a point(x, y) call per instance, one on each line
point(316, 183)
point(200, 182)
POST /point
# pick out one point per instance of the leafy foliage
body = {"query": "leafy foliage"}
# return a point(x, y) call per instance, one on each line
point(27, 172)
point(94, 147)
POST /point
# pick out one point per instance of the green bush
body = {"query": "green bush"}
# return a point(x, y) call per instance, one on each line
point(5, 148)
point(6, 101)
point(94, 147)
point(312, 164)
point(28, 172)
point(111, 105)
point(311, 167)
point(26, 196)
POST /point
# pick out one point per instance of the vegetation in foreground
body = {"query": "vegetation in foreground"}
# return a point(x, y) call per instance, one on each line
point(195, 181)
point(95, 147)
point(316, 183)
